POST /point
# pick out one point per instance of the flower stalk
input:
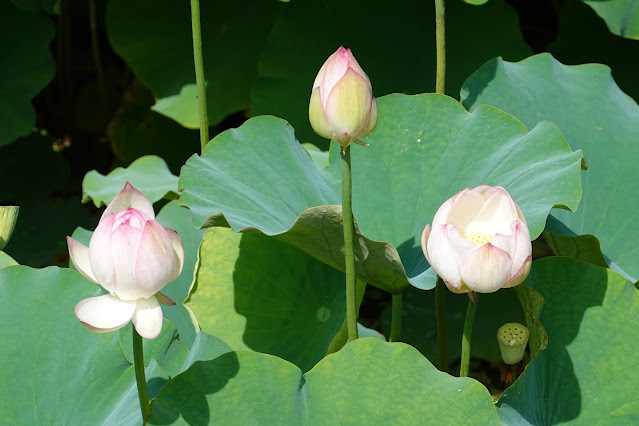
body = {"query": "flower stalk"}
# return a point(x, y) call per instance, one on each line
point(440, 40)
point(199, 72)
point(349, 253)
point(138, 365)
point(468, 331)
point(440, 312)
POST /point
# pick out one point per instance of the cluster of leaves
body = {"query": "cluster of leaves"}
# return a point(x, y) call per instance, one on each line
point(262, 232)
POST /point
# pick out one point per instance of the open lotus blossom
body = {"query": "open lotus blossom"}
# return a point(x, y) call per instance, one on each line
point(342, 106)
point(479, 241)
point(132, 257)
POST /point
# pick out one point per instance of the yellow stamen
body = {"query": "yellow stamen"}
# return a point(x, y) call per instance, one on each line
point(479, 239)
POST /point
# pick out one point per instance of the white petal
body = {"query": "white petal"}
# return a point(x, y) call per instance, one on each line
point(127, 198)
point(495, 216)
point(441, 217)
point(156, 259)
point(425, 236)
point(79, 254)
point(104, 313)
point(465, 209)
point(147, 318)
point(446, 248)
point(178, 247)
point(486, 269)
point(100, 257)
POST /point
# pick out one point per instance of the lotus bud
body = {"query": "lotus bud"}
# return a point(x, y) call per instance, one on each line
point(479, 241)
point(342, 106)
point(8, 218)
point(512, 338)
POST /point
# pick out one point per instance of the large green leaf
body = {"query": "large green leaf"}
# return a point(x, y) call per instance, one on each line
point(55, 371)
point(368, 382)
point(149, 174)
point(425, 149)
point(179, 219)
point(595, 116)
point(394, 45)
point(154, 38)
point(586, 374)
point(258, 293)
point(621, 16)
point(27, 66)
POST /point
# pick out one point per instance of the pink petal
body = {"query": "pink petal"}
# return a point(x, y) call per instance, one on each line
point(80, 257)
point(517, 244)
point(104, 313)
point(495, 215)
point(486, 269)
point(446, 248)
point(156, 260)
point(147, 318)
point(348, 104)
point(521, 274)
point(128, 198)
point(100, 257)
point(178, 247)
point(125, 243)
point(461, 290)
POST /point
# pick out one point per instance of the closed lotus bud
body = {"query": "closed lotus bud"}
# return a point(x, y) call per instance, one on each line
point(342, 106)
point(8, 218)
point(479, 241)
point(132, 257)
point(512, 338)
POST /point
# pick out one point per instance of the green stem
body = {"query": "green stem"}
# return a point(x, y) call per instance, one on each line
point(95, 49)
point(138, 364)
point(199, 72)
point(468, 331)
point(440, 311)
point(440, 37)
point(349, 253)
point(396, 318)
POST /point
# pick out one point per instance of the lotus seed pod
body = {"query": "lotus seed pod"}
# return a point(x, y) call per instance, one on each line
point(8, 218)
point(512, 338)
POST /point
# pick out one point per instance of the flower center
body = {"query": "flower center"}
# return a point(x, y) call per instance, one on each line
point(479, 239)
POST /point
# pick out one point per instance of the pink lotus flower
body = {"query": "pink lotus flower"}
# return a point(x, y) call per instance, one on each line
point(132, 257)
point(342, 106)
point(479, 241)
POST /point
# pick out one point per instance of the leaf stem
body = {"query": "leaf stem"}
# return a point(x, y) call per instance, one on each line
point(349, 253)
point(440, 311)
point(199, 72)
point(396, 317)
point(468, 331)
point(95, 50)
point(440, 37)
point(138, 364)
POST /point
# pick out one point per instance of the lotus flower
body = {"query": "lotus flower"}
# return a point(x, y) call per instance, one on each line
point(132, 257)
point(342, 106)
point(479, 241)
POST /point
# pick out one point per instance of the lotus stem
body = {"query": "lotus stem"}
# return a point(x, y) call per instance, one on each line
point(440, 40)
point(440, 312)
point(468, 331)
point(349, 253)
point(199, 72)
point(396, 318)
point(138, 365)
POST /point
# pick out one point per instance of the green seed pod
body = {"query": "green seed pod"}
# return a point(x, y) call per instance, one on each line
point(8, 218)
point(512, 338)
